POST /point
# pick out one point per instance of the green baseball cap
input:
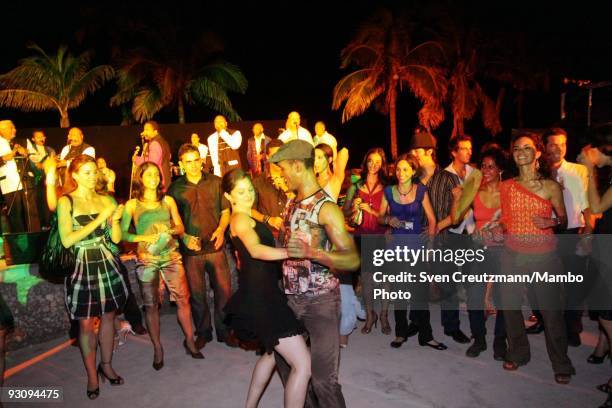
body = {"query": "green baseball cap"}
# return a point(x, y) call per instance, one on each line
point(293, 150)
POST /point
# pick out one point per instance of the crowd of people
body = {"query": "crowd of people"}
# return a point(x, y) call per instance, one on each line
point(285, 223)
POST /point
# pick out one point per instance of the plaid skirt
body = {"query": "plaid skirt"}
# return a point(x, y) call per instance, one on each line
point(96, 286)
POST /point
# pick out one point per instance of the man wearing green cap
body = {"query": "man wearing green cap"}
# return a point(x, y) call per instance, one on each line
point(317, 242)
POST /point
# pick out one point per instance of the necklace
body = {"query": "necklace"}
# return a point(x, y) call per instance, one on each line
point(404, 194)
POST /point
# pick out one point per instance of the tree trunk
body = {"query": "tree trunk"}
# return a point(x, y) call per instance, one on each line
point(500, 99)
point(393, 124)
point(457, 126)
point(181, 110)
point(65, 120)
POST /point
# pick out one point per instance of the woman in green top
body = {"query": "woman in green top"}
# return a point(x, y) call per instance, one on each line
point(157, 222)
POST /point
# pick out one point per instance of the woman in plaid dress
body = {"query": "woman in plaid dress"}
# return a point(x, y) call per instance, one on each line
point(89, 224)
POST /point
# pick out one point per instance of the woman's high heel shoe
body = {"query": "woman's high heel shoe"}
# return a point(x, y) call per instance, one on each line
point(595, 359)
point(113, 381)
point(197, 355)
point(93, 394)
point(367, 328)
point(385, 328)
point(158, 366)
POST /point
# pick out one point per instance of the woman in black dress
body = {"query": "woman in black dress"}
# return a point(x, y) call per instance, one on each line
point(258, 311)
point(594, 158)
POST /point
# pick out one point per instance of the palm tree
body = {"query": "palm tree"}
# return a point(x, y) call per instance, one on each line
point(519, 64)
point(52, 82)
point(174, 72)
point(387, 63)
point(466, 95)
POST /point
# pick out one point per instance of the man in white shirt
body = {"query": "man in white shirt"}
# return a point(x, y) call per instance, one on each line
point(38, 153)
point(321, 136)
point(294, 131)
point(573, 178)
point(37, 150)
point(75, 147)
point(203, 149)
point(10, 182)
point(223, 147)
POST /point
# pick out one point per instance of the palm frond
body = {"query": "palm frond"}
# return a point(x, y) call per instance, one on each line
point(344, 87)
point(127, 87)
point(360, 96)
point(362, 55)
point(89, 82)
point(212, 95)
point(147, 103)
point(226, 75)
point(27, 100)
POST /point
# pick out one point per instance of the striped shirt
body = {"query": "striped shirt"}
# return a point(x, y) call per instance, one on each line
point(440, 188)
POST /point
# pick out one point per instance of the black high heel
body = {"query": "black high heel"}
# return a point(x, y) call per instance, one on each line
point(160, 365)
point(197, 355)
point(93, 394)
point(594, 359)
point(113, 381)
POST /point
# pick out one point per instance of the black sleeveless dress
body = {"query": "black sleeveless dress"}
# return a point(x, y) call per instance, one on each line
point(600, 252)
point(258, 311)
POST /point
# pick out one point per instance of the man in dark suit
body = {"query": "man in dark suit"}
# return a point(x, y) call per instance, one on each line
point(256, 150)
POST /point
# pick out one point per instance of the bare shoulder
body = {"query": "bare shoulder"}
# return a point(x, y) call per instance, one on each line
point(130, 205)
point(108, 199)
point(64, 202)
point(551, 185)
point(240, 222)
point(169, 200)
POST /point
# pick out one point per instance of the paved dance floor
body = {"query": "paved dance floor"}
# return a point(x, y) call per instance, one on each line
point(371, 373)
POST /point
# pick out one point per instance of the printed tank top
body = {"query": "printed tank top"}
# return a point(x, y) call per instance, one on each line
point(303, 276)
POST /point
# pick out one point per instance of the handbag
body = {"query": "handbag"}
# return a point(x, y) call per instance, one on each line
point(57, 261)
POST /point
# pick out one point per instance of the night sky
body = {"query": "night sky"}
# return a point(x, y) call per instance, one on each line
point(290, 51)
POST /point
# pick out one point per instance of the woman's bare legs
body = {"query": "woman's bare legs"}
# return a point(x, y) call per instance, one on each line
point(602, 348)
point(87, 344)
point(2, 354)
point(152, 322)
point(367, 291)
point(106, 337)
point(183, 315)
point(295, 352)
point(262, 372)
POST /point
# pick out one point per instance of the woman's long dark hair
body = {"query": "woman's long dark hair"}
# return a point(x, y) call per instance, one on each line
point(138, 188)
point(382, 173)
point(413, 162)
point(328, 152)
point(541, 165)
point(499, 156)
point(231, 178)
